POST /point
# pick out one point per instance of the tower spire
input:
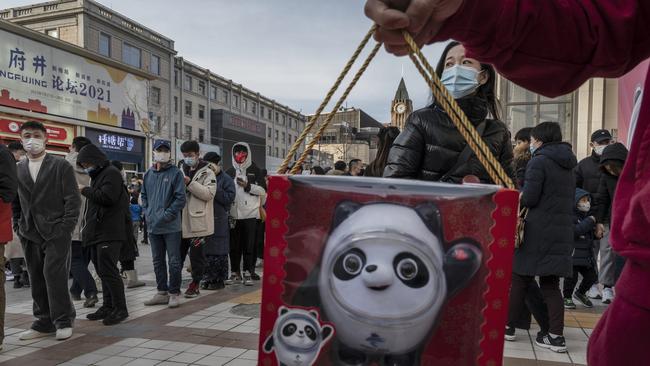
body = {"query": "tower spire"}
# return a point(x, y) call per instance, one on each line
point(402, 93)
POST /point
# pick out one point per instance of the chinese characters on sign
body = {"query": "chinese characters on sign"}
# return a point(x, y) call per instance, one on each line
point(115, 142)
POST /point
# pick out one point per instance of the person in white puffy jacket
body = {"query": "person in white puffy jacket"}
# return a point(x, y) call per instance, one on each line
point(251, 194)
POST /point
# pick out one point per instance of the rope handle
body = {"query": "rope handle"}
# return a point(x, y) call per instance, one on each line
point(440, 93)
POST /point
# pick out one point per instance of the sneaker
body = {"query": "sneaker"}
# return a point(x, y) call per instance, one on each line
point(173, 301)
point(557, 344)
point(510, 334)
point(33, 334)
point(608, 295)
point(568, 304)
point(116, 317)
point(234, 278)
point(192, 290)
point(100, 314)
point(255, 276)
point(219, 285)
point(583, 300)
point(204, 285)
point(247, 279)
point(593, 293)
point(160, 298)
point(63, 334)
point(91, 301)
point(75, 297)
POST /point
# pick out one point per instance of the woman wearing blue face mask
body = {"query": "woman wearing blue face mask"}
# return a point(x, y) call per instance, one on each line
point(431, 148)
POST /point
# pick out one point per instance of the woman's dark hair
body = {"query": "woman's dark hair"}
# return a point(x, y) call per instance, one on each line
point(547, 132)
point(318, 170)
point(387, 136)
point(486, 91)
point(79, 142)
point(523, 134)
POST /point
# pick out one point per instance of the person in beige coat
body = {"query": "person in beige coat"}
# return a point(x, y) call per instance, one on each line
point(198, 215)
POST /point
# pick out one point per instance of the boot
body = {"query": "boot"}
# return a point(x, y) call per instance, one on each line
point(132, 279)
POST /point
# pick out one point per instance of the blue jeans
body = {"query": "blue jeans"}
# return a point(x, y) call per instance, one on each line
point(81, 277)
point(169, 244)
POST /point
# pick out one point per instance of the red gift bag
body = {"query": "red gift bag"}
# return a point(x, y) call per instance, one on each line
point(6, 232)
point(381, 271)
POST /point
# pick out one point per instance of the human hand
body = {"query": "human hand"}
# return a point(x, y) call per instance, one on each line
point(599, 231)
point(241, 182)
point(421, 18)
point(187, 180)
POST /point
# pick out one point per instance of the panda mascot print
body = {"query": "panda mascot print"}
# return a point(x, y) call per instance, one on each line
point(383, 279)
point(297, 337)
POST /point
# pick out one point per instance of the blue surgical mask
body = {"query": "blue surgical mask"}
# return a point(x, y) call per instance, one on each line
point(189, 161)
point(461, 81)
point(89, 170)
point(532, 149)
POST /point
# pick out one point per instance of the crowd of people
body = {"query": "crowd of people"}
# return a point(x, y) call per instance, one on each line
point(63, 214)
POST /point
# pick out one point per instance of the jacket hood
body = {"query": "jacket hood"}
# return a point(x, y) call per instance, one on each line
point(91, 154)
point(580, 193)
point(615, 151)
point(560, 153)
point(247, 163)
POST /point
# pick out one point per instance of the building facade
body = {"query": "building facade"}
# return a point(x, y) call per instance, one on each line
point(181, 95)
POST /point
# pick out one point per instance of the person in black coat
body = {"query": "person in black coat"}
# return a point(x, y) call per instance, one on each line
point(611, 165)
point(584, 262)
point(431, 148)
point(549, 190)
point(104, 229)
point(217, 246)
point(522, 155)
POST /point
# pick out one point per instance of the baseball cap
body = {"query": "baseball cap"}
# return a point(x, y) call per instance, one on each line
point(600, 135)
point(160, 143)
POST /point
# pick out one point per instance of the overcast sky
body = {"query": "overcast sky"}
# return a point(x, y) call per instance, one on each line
point(288, 50)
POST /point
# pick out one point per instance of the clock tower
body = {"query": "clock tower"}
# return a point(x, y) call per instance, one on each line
point(401, 107)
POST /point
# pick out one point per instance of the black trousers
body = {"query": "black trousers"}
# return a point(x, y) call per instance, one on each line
point(550, 288)
point(105, 257)
point(242, 243)
point(259, 239)
point(197, 258)
point(589, 277)
point(82, 280)
point(533, 304)
point(48, 264)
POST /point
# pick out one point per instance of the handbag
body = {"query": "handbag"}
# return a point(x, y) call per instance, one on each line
point(521, 224)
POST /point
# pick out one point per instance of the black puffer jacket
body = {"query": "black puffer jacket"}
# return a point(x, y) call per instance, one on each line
point(107, 203)
point(430, 145)
point(583, 235)
point(588, 174)
point(549, 193)
point(607, 185)
point(8, 177)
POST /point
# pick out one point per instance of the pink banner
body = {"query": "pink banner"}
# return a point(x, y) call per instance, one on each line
point(630, 92)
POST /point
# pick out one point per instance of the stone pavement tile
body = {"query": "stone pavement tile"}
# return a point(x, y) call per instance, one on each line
point(4, 358)
point(186, 357)
point(250, 298)
point(203, 349)
point(229, 352)
point(131, 342)
point(579, 358)
point(88, 359)
point(112, 350)
point(522, 344)
point(136, 352)
point(508, 361)
point(249, 355)
point(241, 362)
point(155, 344)
point(517, 353)
point(177, 346)
point(142, 362)
point(161, 355)
point(548, 355)
point(115, 361)
point(213, 361)
point(21, 351)
point(170, 363)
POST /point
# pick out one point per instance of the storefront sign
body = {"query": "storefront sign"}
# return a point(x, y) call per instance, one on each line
point(58, 135)
point(41, 78)
point(243, 124)
point(110, 141)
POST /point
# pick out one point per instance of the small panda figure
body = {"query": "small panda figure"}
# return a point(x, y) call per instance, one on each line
point(383, 279)
point(297, 337)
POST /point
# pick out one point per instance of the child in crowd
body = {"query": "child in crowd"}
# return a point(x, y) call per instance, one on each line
point(584, 262)
point(136, 216)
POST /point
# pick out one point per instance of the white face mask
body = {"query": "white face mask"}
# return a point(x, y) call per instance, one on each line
point(584, 206)
point(598, 149)
point(34, 146)
point(161, 157)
